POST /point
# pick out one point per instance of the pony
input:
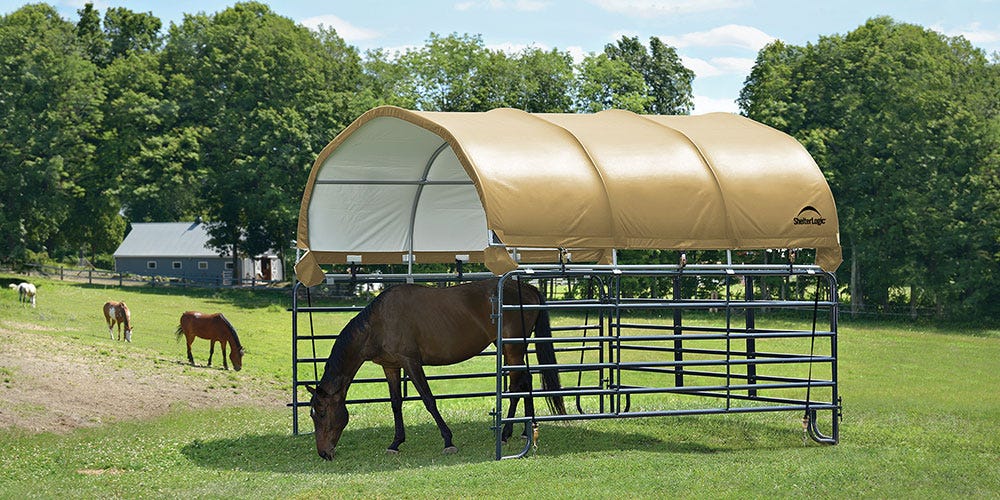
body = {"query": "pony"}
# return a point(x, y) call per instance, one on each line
point(409, 326)
point(25, 292)
point(117, 313)
point(215, 328)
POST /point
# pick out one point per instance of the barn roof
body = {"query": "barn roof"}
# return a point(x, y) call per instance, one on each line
point(498, 184)
point(166, 239)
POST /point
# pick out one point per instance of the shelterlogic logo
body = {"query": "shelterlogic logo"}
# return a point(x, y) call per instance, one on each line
point(809, 216)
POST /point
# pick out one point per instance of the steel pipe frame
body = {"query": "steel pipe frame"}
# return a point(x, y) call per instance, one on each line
point(624, 304)
point(615, 346)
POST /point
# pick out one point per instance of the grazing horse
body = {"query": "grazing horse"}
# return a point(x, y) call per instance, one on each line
point(409, 326)
point(214, 328)
point(25, 292)
point(117, 313)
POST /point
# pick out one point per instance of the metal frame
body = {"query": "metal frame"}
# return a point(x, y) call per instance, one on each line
point(728, 373)
point(644, 369)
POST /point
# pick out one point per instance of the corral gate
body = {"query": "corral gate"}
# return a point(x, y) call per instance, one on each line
point(664, 351)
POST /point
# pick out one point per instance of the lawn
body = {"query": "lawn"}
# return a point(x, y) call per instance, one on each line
point(921, 410)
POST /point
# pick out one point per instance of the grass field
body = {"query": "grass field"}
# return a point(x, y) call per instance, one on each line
point(921, 413)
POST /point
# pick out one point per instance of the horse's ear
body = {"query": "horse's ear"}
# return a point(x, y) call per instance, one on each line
point(311, 389)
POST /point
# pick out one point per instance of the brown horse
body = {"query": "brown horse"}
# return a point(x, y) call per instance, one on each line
point(409, 326)
point(214, 328)
point(117, 313)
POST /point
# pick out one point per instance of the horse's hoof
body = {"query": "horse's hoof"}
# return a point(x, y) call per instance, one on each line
point(451, 449)
point(390, 451)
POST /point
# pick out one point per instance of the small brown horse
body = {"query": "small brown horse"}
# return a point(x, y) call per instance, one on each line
point(117, 313)
point(409, 326)
point(214, 328)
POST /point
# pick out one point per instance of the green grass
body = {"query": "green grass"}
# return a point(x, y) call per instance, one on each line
point(921, 412)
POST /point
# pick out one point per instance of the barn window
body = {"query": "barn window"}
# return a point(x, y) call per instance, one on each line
point(176, 264)
point(229, 266)
point(150, 264)
point(202, 265)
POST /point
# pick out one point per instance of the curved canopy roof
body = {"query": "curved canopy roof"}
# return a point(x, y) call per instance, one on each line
point(435, 185)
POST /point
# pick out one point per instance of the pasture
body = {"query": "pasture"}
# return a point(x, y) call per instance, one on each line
point(921, 409)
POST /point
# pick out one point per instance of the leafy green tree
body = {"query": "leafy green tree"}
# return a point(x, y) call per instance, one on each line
point(668, 82)
point(902, 119)
point(134, 113)
point(261, 96)
point(547, 80)
point(155, 159)
point(444, 73)
point(130, 32)
point(458, 73)
point(49, 122)
point(605, 83)
point(388, 80)
point(89, 35)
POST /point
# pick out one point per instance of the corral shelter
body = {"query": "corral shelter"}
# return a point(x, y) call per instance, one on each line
point(506, 186)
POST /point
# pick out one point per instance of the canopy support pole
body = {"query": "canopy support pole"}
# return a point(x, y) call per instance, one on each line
point(416, 201)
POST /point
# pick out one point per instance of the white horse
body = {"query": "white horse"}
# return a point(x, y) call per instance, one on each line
point(25, 292)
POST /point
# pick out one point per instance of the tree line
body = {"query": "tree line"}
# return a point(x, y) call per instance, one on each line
point(114, 118)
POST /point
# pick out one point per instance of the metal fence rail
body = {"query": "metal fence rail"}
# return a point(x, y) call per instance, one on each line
point(628, 356)
point(93, 276)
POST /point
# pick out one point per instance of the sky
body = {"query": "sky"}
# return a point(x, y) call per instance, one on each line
point(717, 39)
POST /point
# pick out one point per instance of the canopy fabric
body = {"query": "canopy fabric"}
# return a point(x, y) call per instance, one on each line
point(497, 186)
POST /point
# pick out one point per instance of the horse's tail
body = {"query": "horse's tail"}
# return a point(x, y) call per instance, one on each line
point(179, 332)
point(546, 353)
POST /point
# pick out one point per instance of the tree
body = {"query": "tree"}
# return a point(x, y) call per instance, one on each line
point(458, 73)
point(90, 36)
point(261, 96)
point(444, 73)
point(902, 119)
point(606, 83)
point(130, 33)
point(154, 157)
point(668, 82)
point(547, 81)
point(49, 122)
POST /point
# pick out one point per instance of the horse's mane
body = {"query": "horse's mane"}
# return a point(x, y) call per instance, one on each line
point(232, 330)
point(358, 323)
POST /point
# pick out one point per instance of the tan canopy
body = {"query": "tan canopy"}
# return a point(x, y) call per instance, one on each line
point(498, 186)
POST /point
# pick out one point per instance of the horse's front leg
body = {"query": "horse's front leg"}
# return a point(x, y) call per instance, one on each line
point(416, 373)
point(211, 351)
point(394, 377)
point(225, 365)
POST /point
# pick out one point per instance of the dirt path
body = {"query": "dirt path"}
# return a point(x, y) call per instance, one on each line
point(52, 384)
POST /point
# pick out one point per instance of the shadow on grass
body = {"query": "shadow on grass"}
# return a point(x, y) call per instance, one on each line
point(363, 450)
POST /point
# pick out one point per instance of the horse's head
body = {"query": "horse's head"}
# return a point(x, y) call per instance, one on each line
point(329, 415)
point(236, 356)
